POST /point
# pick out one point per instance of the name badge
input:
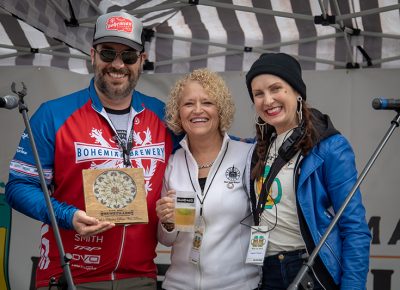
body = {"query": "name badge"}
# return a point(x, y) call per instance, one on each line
point(196, 244)
point(258, 245)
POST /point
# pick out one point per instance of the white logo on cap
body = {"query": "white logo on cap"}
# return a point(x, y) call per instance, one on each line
point(119, 23)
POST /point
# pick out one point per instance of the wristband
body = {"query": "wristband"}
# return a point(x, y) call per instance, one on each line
point(168, 226)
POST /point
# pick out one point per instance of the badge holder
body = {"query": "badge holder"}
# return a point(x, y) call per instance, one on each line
point(258, 245)
point(197, 240)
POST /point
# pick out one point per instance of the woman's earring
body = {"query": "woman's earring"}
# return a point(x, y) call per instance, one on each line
point(300, 108)
point(260, 125)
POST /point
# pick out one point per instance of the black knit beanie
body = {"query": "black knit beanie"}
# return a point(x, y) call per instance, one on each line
point(281, 65)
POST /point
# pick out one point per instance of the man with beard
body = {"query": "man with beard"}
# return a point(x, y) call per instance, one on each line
point(107, 125)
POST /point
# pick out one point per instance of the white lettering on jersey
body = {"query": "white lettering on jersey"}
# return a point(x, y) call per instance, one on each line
point(91, 239)
point(87, 259)
point(86, 248)
point(111, 157)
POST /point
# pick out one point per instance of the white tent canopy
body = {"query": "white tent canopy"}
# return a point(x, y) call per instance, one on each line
point(226, 35)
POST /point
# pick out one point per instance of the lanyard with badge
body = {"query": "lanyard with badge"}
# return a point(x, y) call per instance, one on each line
point(260, 234)
point(125, 144)
point(200, 225)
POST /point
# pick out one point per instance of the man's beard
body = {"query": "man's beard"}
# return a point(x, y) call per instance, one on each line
point(110, 91)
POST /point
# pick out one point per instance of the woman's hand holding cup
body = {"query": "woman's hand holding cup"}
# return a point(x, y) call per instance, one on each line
point(165, 208)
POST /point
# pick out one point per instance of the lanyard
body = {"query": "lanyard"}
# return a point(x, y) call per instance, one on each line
point(286, 152)
point(264, 192)
point(126, 147)
point(202, 192)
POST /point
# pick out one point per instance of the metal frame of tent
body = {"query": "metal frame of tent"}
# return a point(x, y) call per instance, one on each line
point(336, 21)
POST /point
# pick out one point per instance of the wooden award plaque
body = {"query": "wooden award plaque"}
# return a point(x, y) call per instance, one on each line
point(116, 195)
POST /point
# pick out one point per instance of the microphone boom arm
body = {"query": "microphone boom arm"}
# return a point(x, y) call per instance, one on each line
point(65, 258)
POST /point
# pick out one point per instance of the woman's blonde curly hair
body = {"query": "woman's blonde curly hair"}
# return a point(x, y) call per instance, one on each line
point(214, 86)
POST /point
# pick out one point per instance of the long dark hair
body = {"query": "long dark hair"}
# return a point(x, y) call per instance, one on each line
point(264, 140)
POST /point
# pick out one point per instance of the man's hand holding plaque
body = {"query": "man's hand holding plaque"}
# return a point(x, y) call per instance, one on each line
point(116, 195)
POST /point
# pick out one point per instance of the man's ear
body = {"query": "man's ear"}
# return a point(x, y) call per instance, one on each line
point(92, 54)
point(144, 56)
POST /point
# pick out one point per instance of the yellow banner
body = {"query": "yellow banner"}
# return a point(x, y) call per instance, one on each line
point(5, 225)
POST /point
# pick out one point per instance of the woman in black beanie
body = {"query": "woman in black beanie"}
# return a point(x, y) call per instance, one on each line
point(301, 171)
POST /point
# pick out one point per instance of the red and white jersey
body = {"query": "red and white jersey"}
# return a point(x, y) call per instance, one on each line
point(74, 133)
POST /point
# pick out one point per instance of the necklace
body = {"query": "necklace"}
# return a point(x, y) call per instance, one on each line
point(208, 165)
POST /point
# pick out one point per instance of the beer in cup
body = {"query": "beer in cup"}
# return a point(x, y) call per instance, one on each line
point(185, 210)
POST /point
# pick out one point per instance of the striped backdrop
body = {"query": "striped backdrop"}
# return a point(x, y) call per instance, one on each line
point(225, 35)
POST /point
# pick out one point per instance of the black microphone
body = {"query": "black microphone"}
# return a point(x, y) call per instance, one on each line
point(9, 102)
point(386, 104)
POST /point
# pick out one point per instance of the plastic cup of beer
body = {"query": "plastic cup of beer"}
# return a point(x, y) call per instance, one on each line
point(185, 210)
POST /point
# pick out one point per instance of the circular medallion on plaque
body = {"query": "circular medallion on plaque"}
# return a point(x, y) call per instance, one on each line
point(114, 189)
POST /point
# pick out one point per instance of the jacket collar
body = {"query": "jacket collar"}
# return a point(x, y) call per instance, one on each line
point(309, 164)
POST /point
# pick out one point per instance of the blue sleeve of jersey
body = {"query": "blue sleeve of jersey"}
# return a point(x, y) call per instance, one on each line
point(246, 140)
point(23, 190)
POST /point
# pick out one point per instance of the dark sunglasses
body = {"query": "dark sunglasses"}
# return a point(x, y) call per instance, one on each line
point(127, 56)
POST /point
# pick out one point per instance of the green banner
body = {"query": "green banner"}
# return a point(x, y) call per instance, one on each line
point(5, 228)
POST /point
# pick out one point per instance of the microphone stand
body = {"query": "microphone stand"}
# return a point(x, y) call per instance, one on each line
point(306, 266)
point(65, 258)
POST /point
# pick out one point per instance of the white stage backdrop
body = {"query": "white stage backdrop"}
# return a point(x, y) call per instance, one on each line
point(345, 95)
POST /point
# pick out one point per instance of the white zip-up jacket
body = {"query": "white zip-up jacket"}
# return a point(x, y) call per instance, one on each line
point(225, 241)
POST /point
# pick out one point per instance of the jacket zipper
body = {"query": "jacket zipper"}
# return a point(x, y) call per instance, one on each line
point(330, 248)
point(296, 176)
point(196, 189)
point(131, 118)
point(199, 264)
point(120, 253)
point(200, 276)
